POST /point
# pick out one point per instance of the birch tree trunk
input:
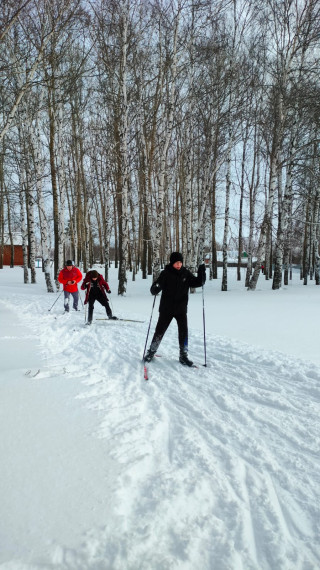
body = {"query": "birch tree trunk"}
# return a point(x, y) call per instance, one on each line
point(147, 150)
point(54, 185)
point(58, 116)
point(214, 257)
point(24, 230)
point(9, 228)
point(108, 223)
point(307, 243)
point(316, 243)
point(167, 134)
point(44, 232)
point(283, 219)
point(188, 202)
point(315, 232)
point(2, 194)
point(288, 253)
point(123, 134)
point(261, 252)
point(253, 189)
point(242, 179)
point(224, 282)
point(30, 206)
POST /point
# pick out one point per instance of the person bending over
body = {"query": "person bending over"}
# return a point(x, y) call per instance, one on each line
point(96, 290)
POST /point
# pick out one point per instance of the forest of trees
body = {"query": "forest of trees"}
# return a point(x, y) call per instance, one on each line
point(133, 128)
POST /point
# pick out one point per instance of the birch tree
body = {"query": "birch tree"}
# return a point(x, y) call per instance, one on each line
point(291, 21)
point(24, 230)
point(24, 18)
point(123, 149)
point(165, 138)
point(39, 166)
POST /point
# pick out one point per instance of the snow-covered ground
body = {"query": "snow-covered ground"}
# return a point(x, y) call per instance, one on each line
point(215, 468)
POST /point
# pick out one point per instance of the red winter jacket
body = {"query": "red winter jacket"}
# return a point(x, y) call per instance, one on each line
point(87, 284)
point(66, 275)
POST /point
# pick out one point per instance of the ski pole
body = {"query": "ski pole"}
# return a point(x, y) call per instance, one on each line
point(145, 346)
point(56, 300)
point(80, 298)
point(110, 303)
point(204, 330)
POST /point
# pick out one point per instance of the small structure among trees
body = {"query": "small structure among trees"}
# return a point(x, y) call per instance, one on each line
point(11, 252)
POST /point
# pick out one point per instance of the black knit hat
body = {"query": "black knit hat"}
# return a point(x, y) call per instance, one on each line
point(69, 262)
point(176, 256)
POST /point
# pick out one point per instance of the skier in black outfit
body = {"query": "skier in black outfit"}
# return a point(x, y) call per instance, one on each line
point(174, 282)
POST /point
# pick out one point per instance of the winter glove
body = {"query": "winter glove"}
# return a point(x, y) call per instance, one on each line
point(155, 289)
point(109, 291)
point(202, 273)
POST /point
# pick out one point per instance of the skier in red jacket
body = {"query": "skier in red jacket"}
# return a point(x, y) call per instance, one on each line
point(96, 288)
point(70, 276)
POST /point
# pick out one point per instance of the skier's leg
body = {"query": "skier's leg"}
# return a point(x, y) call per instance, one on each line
point(105, 303)
point(90, 310)
point(75, 296)
point(182, 322)
point(161, 327)
point(108, 308)
point(91, 301)
point(66, 300)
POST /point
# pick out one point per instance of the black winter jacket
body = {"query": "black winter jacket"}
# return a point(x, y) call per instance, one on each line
point(175, 285)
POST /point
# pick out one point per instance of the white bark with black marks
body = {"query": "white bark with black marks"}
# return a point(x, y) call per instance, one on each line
point(44, 230)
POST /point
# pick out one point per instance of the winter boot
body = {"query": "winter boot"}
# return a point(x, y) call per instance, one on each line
point(109, 313)
point(183, 359)
point(149, 356)
point(66, 308)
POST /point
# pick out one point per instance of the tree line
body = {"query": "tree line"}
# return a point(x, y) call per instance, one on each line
point(144, 127)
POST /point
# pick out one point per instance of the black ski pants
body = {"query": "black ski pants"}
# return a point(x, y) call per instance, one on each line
point(162, 325)
point(102, 299)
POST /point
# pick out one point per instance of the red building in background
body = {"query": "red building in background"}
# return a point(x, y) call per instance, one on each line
point(17, 255)
point(6, 251)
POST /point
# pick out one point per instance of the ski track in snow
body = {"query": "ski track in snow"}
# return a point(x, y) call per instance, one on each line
point(205, 455)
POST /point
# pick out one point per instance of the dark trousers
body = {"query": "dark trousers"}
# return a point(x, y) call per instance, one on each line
point(75, 296)
point(162, 325)
point(100, 297)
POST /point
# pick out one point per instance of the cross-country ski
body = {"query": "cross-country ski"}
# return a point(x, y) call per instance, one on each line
point(46, 372)
point(121, 319)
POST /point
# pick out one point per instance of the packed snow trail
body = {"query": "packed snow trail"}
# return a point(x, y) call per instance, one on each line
point(46, 486)
point(214, 468)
